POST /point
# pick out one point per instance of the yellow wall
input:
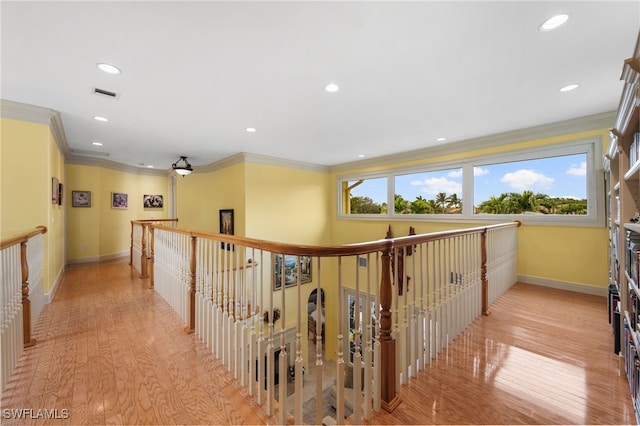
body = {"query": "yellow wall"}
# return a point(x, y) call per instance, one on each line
point(25, 198)
point(55, 241)
point(287, 205)
point(100, 231)
point(201, 196)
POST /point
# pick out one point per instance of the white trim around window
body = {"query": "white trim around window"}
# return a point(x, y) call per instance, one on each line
point(595, 216)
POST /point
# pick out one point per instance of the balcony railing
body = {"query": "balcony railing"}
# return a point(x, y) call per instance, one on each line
point(21, 271)
point(139, 250)
point(390, 307)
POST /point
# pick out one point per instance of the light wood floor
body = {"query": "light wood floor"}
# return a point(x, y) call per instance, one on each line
point(112, 352)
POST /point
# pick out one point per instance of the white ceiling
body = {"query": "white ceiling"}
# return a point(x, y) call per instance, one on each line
point(195, 75)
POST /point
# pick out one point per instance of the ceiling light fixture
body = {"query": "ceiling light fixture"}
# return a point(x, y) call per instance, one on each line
point(96, 143)
point(251, 129)
point(108, 68)
point(569, 87)
point(182, 170)
point(441, 139)
point(331, 88)
point(554, 22)
point(98, 118)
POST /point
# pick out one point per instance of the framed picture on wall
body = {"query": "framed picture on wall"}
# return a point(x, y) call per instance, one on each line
point(152, 202)
point(226, 225)
point(54, 190)
point(289, 264)
point(81, 198)
point(60, 192)
point(119, 200)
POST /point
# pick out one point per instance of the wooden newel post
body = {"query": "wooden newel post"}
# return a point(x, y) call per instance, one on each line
point(26, 303)
point(483, 273)
point(192, 288)
point(389, 397)
point(151, 257)
point(143, 255)
point(131, 246)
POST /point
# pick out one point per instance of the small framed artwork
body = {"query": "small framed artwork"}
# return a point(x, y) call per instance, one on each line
point(54, 190)
point(119, 200)
point(226, 225)
point(60, 192)
point(291, 271)
point(152, 202)
point(80, 198)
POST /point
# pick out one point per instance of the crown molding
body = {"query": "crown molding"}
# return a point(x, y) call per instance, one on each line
point(581, 124)
point(57, 129)
point(25, 112)
point(99, 162)
point(246, 157)
point(35, 114)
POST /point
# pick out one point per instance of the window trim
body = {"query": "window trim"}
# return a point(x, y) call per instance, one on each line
point(595, 216)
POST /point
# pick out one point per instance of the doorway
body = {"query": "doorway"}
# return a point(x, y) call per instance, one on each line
point(313, 305)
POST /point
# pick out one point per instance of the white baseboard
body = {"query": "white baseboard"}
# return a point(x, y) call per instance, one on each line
point(49, 296)
point(95, 259)
point(563, 285)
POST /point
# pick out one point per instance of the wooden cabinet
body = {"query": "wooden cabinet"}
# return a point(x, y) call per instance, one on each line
point(622, 164)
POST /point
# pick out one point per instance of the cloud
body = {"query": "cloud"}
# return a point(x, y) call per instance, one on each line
point(455, 173)
point(578, 170)
point(479, 171)
point(434, 186)
point(527, 179)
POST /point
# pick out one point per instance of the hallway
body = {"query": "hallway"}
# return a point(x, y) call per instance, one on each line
point(110, 351)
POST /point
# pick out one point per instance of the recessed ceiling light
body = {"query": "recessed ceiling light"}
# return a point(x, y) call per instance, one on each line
point(251, 129)
point(149, 166)
point(360, 155)
point(96, 143)
point(331, 88)
point(569, 87)
point(441, 139)
point(98, 118)
point(108, 68)
point(554, 22)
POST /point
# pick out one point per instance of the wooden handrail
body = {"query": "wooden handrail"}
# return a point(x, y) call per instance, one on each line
point(386, 247)
point(23, 239)
point(154, 220)
point(334, 251)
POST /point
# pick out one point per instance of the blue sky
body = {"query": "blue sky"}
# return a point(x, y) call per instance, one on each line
point(557, 177)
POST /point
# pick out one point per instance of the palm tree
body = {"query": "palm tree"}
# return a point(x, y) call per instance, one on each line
point(401, 205)
point(525, 202)
point(421, 206)
point(441, 201)
point(454, 202)
point(493, 205)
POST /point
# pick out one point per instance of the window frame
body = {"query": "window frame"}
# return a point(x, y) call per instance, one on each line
point(595, 216)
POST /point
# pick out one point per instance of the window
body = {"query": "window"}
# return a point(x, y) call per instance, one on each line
point(365, 196)
point(553, 184)
point(429, 192)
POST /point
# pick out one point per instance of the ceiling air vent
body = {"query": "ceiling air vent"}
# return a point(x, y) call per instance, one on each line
point(85, 152)
point(103, 92)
